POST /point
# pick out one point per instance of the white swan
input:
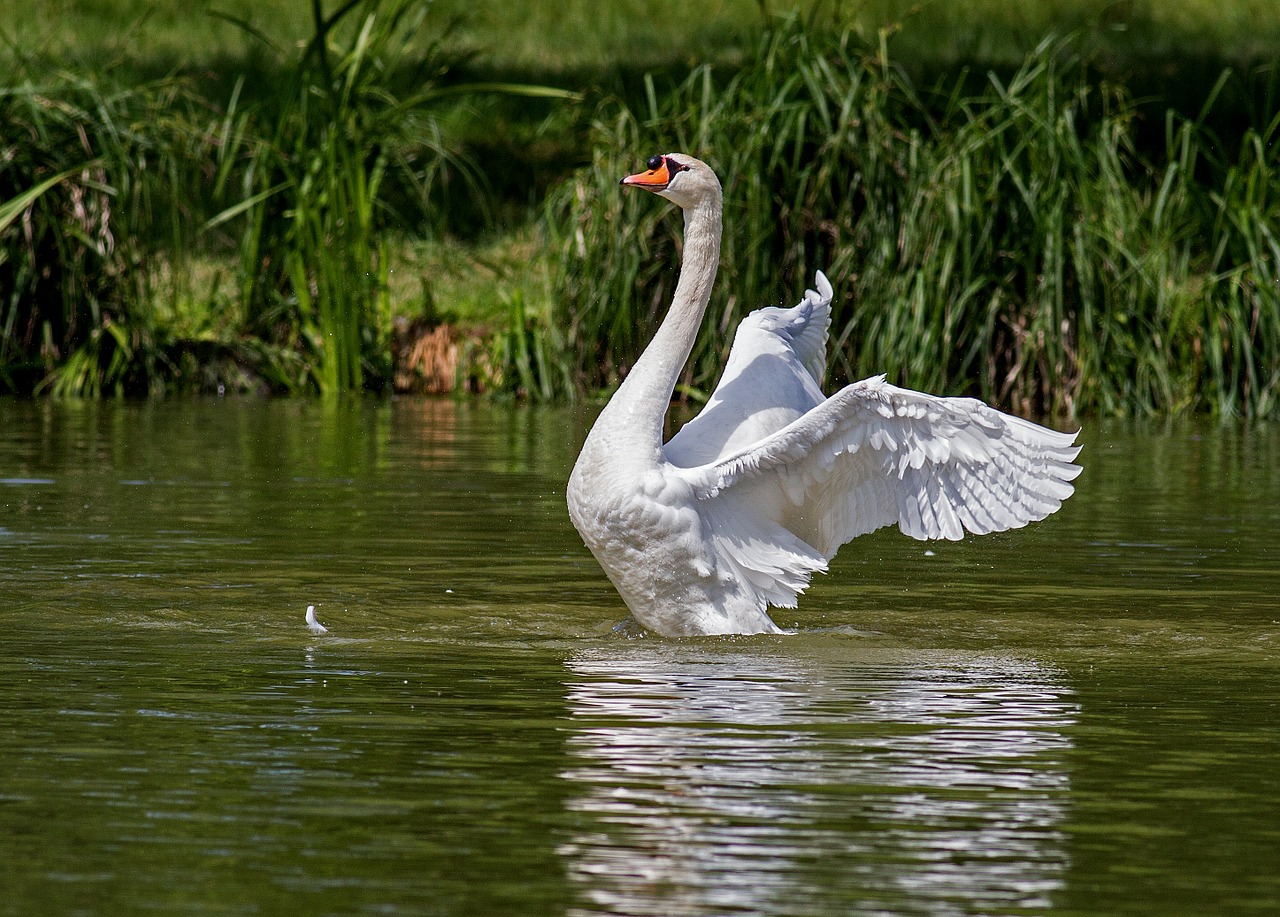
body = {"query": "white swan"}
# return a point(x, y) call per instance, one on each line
point(758, 492)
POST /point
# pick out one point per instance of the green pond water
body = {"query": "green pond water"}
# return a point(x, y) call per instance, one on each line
point(1082, 717)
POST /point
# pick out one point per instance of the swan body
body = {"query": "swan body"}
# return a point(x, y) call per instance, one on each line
point(757, 493)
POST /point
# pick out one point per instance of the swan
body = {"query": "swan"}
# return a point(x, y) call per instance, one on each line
point(701, 534)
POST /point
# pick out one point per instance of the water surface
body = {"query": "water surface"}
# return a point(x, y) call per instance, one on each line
point(1079, 718)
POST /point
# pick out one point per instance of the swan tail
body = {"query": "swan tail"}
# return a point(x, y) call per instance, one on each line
point(771, 562)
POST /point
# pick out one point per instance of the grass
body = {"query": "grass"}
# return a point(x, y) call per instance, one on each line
point(312, 260)
point(1079, 227)
point(1010, 242)
point(88, 186)
point(293, 181)
point(578, 36)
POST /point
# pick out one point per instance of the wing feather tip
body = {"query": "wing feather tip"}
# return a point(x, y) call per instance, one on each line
point(824, 286)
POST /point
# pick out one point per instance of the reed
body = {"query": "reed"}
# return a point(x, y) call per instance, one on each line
point(313, 164)
point(309, 164)
point(1009, 242)
point(87, 198)
point(1037, 238)
point(114, 202)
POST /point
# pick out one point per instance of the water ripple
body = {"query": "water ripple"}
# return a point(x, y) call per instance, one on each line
point(708, 785)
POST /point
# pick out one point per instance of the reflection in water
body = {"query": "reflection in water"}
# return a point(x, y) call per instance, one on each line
point(742, 782)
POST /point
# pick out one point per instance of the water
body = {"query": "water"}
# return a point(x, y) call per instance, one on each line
point(1079, 718)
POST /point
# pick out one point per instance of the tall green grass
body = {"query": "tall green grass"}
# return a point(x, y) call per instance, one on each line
point(314, 163)
point(1009, 241)
point(311, 165)
point(86, 193)
point(1036, 238)
point(112, 201)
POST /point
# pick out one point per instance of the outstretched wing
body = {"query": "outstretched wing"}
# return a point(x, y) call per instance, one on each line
point(872, 455)
point(772, 378)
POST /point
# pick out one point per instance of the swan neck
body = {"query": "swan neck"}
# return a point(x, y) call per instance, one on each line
point(697, 273)
point(645, 394)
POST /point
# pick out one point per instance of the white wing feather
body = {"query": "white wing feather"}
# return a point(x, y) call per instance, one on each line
point(936, 466)
point(773, 376)
point(778, 506)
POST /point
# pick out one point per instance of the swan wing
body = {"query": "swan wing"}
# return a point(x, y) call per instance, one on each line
point(773, 377)
point(873, 455)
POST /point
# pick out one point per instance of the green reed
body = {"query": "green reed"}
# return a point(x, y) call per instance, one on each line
point(1008, 241)
point(310, 164)
point(313, 165)
point(153, 240)
point(86, 196)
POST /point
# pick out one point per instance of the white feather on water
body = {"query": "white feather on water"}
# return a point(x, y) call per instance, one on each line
point(312, 624)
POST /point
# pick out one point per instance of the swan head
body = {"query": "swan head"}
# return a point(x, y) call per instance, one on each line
point(679, 178)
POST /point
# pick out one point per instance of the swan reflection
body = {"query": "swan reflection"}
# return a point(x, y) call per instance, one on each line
point(711, 781)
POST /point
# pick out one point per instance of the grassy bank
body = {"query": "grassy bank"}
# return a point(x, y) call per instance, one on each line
point(577, 37)
point(158, 239)
point(258, 200)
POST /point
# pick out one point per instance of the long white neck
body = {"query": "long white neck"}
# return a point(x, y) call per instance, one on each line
point(633, 419)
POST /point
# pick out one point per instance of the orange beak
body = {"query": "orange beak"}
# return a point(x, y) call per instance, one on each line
point(652, 180)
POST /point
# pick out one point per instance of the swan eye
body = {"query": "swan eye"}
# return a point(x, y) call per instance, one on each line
point(654, 163)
